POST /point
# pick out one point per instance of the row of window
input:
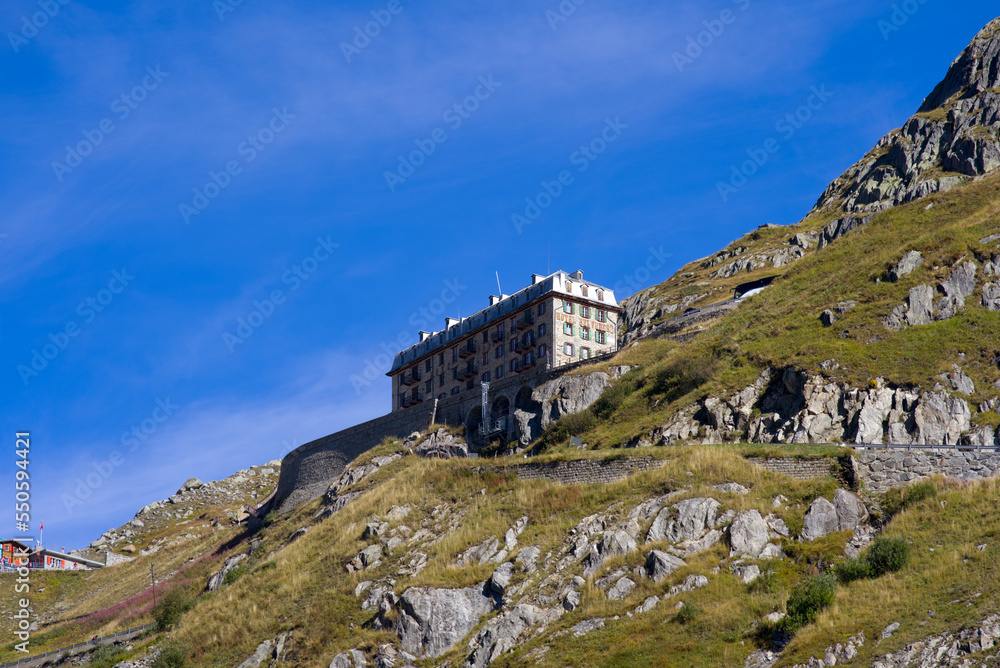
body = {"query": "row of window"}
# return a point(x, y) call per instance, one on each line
point(600, 315)
point(584, 290)
point(571, 350)
point(599, 336)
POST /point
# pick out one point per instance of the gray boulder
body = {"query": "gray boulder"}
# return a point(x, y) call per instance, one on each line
point(259, 657)
point(190, 484)
point(429, 622)
point(443, 445)
point(351, 659)
point(991, 296)
point(941, 419)
point(851, 512)
point(568, 394)
point(748, 534)
point(660, 564)
point(687, 520)
point(961, 282)
point(909, 262)
point(621, 589)
point(820, 520)
point(500, 579)
point(921, 306)
point(827, 318)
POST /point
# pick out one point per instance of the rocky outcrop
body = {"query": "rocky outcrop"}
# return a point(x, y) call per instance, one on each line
point(442, 444)
point(502, 633)
point(216, 579)
point(947, 650)
point(570, 393)
point(952, 138)
point(846, 513)
point(798, 408)
point(920, 308)
point(429, 622)
point(909, 263)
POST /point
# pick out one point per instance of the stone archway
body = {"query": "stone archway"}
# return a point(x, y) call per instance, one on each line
point(500, 415)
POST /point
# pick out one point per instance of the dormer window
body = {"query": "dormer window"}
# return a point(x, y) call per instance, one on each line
point(583, 290)
point(569, 287)
point(600, 295)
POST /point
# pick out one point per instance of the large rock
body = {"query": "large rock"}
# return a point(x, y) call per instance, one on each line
point(941, 419)
point(260, 656)
point(991, 296)
point(921, 306)
point(851, 512)
point(906, 265)
point(687, 520)
point(351, 659)
point(568, 394)
point(748, 534)
point(660, 564)
point(820, 520)
point(429, 622)
point(190, 484)
point(501, 634)
point(442, 444)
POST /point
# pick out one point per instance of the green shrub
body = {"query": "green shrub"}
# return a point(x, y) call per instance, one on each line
point(887, 555)
point(682, 376)
point(853, 569)
point(235, 574)
point(172, 655)
point(566, 426)
point(808, 599)
point(170, 607)
point(105, 656)
point(615, 395)
point(687, 613)
point(270, 518)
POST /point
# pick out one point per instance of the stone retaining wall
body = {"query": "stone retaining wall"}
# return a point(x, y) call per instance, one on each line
point(585, 471)
point(881, 470)
point(309, 469)
point(800, 469)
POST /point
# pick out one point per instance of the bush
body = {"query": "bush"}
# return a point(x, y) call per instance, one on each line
point(853, 569)
point(105, 656)
point(687, 613)
point(235, 574)
point(680, 377)
point(270, 518)
point(887, 555)
point(615, 395)
point(170, 607)
point(808, 599)
point(172, 655)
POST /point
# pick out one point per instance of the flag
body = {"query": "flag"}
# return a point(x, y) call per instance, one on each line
point(41, 525)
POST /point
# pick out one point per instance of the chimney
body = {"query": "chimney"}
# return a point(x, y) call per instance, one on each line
point(424, 336)
point(536, 279)
point(451, 322)
point(494, 300)
point(577, 275)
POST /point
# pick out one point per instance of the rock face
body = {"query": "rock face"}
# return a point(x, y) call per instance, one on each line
point(430, 621)
point(562, 396)
point(947, 142)
point(443, 445)
point(798, 408)
point(501, 633)
point(660, 564)
point(906, 265)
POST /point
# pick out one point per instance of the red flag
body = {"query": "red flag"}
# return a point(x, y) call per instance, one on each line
point(41, 525)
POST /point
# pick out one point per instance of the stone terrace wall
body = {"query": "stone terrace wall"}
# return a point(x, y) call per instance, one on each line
point(800, 469)
point(584, 471)
point(881, 470)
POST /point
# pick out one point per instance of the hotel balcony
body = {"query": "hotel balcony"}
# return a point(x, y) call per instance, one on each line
point(470, 370)
point(468, 349)
point(411, 378)
point(525, 345)
point(412, 399)
point(526, 321)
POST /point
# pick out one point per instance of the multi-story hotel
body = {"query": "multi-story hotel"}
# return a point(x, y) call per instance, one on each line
point(557, 320)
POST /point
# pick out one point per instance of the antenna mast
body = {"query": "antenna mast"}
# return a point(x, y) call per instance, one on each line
point(499, 289)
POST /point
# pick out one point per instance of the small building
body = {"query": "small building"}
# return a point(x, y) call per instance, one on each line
point(9, 549)
point(558, 320)
point(50, 560)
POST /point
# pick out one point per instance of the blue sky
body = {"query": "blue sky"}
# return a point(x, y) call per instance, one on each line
point(168, 168)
